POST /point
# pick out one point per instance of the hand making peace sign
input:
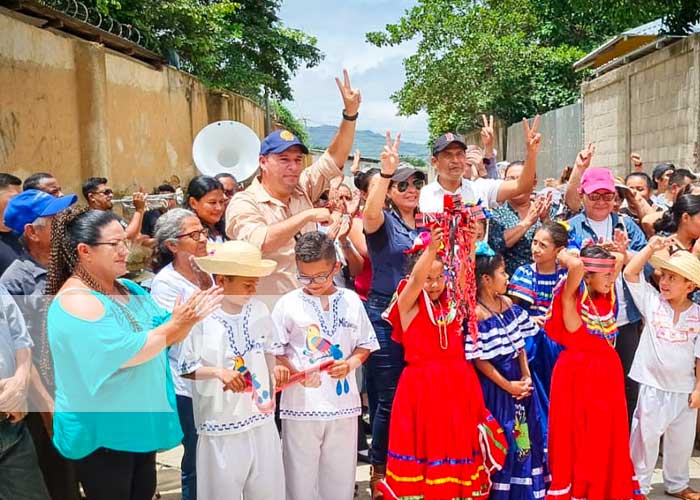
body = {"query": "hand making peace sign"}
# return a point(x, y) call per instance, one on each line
point(390, 154)
point(487, 136)
point(351, 97)
point(533, 139)
point(584, 157)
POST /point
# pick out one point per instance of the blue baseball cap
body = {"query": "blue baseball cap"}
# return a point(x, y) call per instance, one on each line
point(280, 141)
point(31, 204)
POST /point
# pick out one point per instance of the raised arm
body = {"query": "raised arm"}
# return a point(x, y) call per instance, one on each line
point(572, 263)
point(583, 161)
point(373, 216)
point(340, 146)
point(408, 297)
point(525, 183)
point(638, 261)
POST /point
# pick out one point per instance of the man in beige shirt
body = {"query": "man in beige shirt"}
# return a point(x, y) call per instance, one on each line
point(279, 204)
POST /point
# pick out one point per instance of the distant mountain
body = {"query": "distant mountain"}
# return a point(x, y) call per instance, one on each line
point(369, 143)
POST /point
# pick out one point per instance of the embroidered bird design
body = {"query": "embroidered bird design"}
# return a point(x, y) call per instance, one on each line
point(316, 343)
point(263, 400)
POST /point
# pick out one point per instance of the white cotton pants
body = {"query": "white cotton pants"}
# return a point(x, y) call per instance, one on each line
point(661, 413)
point(247, 465)
point(320, 457)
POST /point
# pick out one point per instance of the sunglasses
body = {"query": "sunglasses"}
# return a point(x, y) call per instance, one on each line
point(403, 186)
point(196, 235)
point(106, 192)
point(316, 280)
point(602, 196)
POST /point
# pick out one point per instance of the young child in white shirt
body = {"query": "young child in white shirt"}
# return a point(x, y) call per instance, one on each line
point(239, 450)
point(316, 323)
point(666, 365)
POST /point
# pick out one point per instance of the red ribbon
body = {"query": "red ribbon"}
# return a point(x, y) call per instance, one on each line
point(456, 220)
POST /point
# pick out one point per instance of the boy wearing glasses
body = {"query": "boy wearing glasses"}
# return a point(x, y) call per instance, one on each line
point(598, 223)
point(316, 323)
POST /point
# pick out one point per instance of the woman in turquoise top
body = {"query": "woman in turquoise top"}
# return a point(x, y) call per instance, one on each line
point(115, 403)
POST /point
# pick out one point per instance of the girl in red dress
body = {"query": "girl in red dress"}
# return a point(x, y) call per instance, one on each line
point(443, 442)
point(589, 453)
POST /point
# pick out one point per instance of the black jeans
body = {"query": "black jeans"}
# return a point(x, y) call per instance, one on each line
point(118, 475)
point(626, 347)
point(20, 476)
point(383, 369)
point(59, 472)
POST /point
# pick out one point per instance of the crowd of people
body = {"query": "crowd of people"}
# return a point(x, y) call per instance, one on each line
point(294, 322)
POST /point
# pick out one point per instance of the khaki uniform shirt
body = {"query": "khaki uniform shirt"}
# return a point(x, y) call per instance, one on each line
point(251, 212)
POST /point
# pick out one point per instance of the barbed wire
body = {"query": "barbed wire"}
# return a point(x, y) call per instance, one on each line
point(92, 16)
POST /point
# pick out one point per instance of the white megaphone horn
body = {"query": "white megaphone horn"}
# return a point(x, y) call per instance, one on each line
point(227, 147)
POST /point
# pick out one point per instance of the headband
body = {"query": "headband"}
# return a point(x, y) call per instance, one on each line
point(598, 265)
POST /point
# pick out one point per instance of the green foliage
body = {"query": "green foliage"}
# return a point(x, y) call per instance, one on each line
point(509, 58)
point(287, 119)
point(233, 44)
point(416, 162)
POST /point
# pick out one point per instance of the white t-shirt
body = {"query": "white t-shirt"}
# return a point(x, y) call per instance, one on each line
point(166, 286)
point(486, 190)
point(665, 358)
point(217, 341)
point(604, 229)
point(299, 319)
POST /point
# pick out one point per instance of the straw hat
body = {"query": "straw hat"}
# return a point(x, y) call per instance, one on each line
point(681, 262)
point(236, 258)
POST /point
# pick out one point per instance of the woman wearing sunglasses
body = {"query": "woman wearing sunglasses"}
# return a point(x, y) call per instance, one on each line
point(181, 237)
point(390, 227)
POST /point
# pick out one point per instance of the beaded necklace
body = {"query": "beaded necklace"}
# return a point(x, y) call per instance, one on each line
point(610, 338)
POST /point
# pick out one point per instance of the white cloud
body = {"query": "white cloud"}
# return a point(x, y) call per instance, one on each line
point(340, 28)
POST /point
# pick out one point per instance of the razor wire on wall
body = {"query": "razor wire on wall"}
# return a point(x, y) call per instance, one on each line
point(92, 16)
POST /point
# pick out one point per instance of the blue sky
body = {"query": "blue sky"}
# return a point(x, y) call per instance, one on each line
point(340, 28)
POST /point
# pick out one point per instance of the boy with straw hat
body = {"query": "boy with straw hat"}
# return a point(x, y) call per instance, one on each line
point(239, 450)
point(666, 365)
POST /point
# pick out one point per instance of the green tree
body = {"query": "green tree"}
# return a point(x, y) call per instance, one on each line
point(235, 44)
point(505, 57)
point(287, 119)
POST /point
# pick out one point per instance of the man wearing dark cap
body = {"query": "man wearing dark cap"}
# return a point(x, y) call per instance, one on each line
point(278, 205)
point(450, 161)
point(29, 214)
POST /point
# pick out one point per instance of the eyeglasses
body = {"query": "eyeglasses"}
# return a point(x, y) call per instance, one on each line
point(601, 196)
point(196, 235)
point(316, 280)
point(116, 244)
point(403, 186)
point(229, 192)
point(106, 192)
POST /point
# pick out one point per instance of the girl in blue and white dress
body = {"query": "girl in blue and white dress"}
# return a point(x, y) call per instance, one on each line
point(531, 287)
point(501, 362)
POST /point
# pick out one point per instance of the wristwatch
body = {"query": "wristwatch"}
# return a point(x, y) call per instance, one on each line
point(350, 118)
point(385, 176)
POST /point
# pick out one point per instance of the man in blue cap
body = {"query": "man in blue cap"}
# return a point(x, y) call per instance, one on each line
point(278, 205)
point(29, 214)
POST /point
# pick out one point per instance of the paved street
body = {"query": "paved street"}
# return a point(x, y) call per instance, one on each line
point(169, 477)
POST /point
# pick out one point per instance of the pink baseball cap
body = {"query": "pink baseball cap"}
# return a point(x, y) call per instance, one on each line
point(596, 179)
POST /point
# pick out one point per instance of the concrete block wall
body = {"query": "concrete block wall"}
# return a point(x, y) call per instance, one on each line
point(649, 106)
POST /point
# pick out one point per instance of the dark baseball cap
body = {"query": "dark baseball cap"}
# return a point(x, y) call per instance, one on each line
point(31, 204)
point(404, 172)
point(280, 141)
point(445, 140)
